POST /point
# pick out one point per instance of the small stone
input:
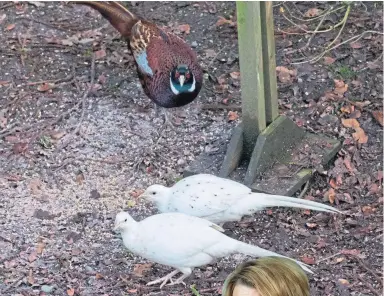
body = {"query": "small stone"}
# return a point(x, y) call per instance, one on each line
point(47, 289)
point(194, 44)
point(95, 194)
point(181, 162)
point(328, 119)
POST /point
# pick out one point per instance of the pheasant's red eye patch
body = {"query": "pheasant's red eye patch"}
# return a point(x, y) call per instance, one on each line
point(187, 75)
point(177, 74)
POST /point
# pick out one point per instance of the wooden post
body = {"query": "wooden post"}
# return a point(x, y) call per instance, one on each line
point(251, 68)
point(269, 61)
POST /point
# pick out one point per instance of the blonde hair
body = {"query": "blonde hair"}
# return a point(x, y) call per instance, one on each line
point(269, 276)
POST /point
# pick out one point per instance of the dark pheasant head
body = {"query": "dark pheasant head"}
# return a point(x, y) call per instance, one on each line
point(182, 80)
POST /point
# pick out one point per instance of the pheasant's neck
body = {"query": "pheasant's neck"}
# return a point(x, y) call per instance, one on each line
point(130, 233)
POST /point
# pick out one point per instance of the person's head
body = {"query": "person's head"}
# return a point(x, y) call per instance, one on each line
point(268, 276)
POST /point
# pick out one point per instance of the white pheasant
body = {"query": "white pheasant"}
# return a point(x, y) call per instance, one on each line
point(220, 200)
point(182, 242)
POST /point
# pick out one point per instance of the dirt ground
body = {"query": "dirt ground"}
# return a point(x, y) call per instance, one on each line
point(70, 160)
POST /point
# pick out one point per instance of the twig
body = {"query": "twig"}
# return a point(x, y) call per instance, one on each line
point(310, 39)
point(329, 257)
point(362, 264)
point(65, 79)
point(354, 39)
point(214, 58)
point(6, 5)
point(304, 190)
point(65, 141)
point(55, 26)
point(325, 13)
point(14, 284)
point(344, 21)
point(321, 31)
point(370, 287)
point(220, 106)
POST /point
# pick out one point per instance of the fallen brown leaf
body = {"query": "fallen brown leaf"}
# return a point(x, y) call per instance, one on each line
point(329, 60)
point(40, 248)
point(284, 77)
point(330, 195)
point(333, 184)
point(355, 114)
point(3, 121)
point(185, 29)
point(56, 135)
point(2, 17)
point(378, 115)
point(100, 54)
point(373, 188)
point(360, 136)
point(340, 259)
point(32, 257)
point(35, 186)
point(313, 12)
point(99, 276)
point(340, 87)
point(348, 164)
point(232, 115)
point(311, 225)
point(353, 252)
point(140, 269)
point(356, 45)
point(347, 109)
point(222, 21)
point(10, 27)
point(308, 260)
point(31, 279)
point(235, 75)
point(80, 178)
point(379, 176)
point(19, 148)
point(136, 193)
point(344, 282)
point(45, 87)
point(361, 105)
point(71, 292)
point(350, 122)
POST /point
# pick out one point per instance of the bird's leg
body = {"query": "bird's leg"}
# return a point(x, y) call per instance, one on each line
point(186, 273)
point(168, 118)
point(179, 280)
point(164, 279)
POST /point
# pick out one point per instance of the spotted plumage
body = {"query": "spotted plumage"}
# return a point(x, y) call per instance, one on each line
point(167, 67)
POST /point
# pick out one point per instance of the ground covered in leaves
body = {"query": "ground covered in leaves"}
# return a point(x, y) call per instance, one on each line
point(78, 144)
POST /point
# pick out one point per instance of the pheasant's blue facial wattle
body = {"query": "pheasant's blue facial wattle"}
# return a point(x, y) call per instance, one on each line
point(181, 80)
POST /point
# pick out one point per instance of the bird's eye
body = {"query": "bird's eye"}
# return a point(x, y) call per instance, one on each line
point(153, 193)
point(125, 220)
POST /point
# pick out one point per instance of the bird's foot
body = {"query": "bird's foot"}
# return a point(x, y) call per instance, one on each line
point(164, 279)
point(178, 281)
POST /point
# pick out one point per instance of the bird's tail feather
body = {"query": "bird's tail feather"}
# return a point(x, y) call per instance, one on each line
point(119, 16)
point(269, 200)
point(255, 251)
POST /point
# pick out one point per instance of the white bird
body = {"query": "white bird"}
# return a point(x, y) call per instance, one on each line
point(220, 200)
point(182, 242)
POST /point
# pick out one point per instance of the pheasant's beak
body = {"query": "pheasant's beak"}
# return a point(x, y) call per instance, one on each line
point(144, 195)
point(117, 227)
point(181, 80)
